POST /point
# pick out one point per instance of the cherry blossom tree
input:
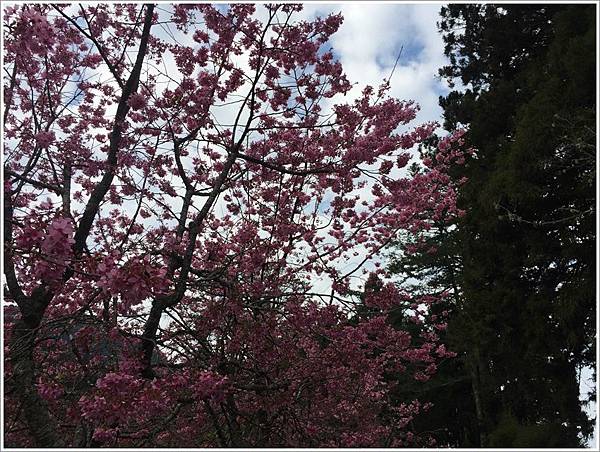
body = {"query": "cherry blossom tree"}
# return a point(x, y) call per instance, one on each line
point(192, 194)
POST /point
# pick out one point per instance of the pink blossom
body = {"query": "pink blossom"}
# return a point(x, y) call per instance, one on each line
point(136, 101)
point(45, 139)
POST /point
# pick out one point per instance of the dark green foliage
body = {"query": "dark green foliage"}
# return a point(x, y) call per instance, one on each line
point(510, 433)
point(521, 263)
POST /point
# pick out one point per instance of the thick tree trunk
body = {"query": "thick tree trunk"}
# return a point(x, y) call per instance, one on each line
point(35, 412)
point(475, 367)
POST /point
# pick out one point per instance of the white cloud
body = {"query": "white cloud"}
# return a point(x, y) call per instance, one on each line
point(368, 43)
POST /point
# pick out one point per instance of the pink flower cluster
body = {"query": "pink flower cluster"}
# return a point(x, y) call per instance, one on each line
point(49, 391)
point(56, 249)
point(45, 138)
point(136, 101)
point(134, 281)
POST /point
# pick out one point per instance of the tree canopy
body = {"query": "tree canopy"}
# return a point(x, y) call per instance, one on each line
point(177, 179)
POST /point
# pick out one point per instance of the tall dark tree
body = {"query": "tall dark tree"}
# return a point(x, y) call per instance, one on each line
point(521, 263)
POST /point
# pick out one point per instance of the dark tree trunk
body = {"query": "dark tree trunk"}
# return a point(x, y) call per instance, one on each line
point(37, 418)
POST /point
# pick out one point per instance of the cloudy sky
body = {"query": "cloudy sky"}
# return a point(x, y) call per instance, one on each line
point(370, 40)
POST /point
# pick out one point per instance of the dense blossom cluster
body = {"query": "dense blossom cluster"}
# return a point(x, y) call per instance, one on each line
point(133, 281)
point(170, 233)
point(56, 247)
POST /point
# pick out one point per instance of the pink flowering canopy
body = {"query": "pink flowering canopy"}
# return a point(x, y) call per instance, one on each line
point(192, 197)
